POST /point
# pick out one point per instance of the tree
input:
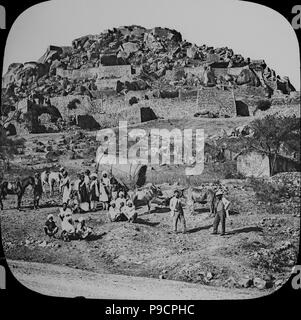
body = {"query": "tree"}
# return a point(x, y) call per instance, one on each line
point(274, 133)
point(8, 146)
point(272, 136)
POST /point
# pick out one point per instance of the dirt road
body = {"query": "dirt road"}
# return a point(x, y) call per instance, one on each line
point(62, 281)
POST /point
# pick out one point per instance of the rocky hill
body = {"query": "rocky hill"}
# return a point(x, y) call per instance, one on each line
point(135, 58)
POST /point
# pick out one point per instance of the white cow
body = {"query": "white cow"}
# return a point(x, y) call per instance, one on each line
point(50, 178)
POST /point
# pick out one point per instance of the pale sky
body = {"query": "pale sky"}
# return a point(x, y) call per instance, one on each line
point(250, 29)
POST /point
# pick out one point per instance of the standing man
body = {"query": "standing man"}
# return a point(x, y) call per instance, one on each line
point(84, 198)
point(37, 190)
point(177, 211)
point(87, 179)
point(221, 206)
point(94, 192)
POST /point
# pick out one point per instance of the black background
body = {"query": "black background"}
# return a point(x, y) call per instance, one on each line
point(20, 301)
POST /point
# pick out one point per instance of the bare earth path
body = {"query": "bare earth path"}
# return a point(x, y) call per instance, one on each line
point(64, 281)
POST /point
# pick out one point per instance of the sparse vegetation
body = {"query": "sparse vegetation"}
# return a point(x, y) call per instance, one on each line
point(268, 192)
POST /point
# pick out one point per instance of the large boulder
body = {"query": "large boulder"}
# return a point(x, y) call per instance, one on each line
point(128, 48)
point(10, 75)
point(192, 52)
point(284, 85)
point(52, 53)
point(248, 77)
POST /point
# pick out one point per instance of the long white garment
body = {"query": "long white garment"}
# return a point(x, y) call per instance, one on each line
point(66, 189)
point(76, 185)
point(106, 182)
point(113, 213)
point(87, 182)
point(63, 212)
point(129, 212)
point(67, 226)
point(103, 197)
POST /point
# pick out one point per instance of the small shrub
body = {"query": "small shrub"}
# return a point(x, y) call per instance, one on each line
point(263, 105)
point(72, 105)
point(268, 192)
point(133, 100)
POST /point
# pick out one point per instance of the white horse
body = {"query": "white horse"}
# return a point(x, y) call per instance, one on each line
point(51, 178)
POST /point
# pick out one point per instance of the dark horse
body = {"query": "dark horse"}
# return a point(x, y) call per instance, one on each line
point(18, 187)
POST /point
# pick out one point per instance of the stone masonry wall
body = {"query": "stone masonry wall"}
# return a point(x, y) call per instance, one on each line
point(61, 104)
point(216, 100)
point(102, 72)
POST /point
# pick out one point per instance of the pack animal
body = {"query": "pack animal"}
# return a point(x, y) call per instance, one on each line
point(195, 195)
point(145, 195)
point(17, 187)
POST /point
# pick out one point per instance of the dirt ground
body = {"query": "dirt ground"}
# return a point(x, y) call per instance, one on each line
point(60, 281)
point(261, 242)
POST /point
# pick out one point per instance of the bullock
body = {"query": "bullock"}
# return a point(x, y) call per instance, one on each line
point(196, 195)
point(145, 195)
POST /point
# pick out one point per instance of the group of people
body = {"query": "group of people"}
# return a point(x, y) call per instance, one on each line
point(122, 209)
point(71, 228)
point(82, 195)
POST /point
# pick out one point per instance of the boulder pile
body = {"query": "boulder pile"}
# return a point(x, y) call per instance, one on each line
point(156, 56)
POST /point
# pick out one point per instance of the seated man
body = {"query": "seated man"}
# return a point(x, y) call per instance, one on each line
point(82, 231)
point(68, 230)
point(73, 202)
point(64, 211)
point(50, 227)
point(115, 214)
point(120, 201)
point(129, 211)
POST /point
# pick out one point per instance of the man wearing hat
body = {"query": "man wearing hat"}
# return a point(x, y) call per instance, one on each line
point(221, 206)
point(37, 190)
point(177, 211)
